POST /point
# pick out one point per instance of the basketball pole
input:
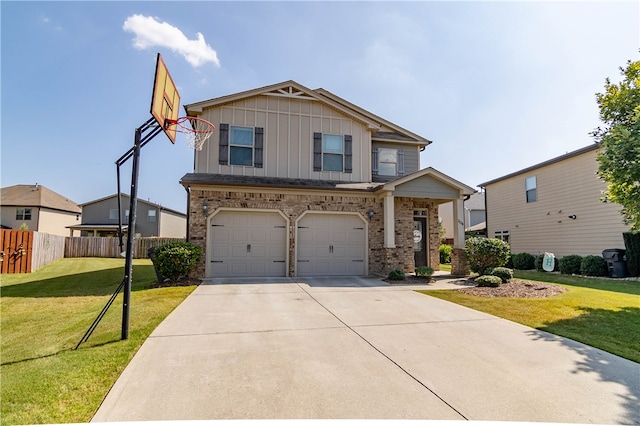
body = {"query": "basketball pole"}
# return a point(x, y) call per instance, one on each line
point(139, 142)
point(134, 152)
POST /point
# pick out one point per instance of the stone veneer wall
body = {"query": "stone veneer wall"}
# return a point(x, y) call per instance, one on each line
point(381, 260)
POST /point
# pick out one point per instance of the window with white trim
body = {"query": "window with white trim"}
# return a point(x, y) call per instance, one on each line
point(151, 216)
point(241, 145)
point(531, 188)
point(23, 214)
point(502, 235)
point(387, 162)
point(113, 214)
point(332, 153)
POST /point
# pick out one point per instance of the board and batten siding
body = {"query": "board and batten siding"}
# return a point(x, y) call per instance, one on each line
point(565, 188)
point(288, 126)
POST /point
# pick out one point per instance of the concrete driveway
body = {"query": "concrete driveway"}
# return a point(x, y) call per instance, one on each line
point(355, 348)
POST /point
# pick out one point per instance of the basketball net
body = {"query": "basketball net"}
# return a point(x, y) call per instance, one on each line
point(196, 130)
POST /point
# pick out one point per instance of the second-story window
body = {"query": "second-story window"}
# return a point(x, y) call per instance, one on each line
point(151, 216)
point(23, 214)
point(388, 162)
point(241, 145)
point(113, 214)
point(531, 188)
point(332, 153)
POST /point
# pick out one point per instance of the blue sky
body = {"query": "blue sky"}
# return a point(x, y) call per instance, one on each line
point(497, 86)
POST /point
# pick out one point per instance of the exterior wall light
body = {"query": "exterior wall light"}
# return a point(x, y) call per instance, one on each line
point(205, 208)
point(573, 216)
point(370, 213)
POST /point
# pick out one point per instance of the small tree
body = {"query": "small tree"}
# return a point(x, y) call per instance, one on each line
point(486, 253)
point(619, 152)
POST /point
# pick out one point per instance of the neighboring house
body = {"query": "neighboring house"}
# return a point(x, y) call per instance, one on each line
point(474, 216)
point(555, 207)
point(100, 219)
point(299, 182)
point(37, 208)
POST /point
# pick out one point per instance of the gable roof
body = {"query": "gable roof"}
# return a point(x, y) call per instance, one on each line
point(140, 200)
point(37, 196)
point(292, 89)
point(544, 163)
point(431, 172)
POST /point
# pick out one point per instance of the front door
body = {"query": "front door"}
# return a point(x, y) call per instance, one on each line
point(420, 241)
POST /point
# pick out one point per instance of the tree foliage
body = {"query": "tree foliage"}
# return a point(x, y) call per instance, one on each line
point(619, 151)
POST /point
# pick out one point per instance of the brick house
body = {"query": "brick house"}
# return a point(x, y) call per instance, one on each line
point(299, 182)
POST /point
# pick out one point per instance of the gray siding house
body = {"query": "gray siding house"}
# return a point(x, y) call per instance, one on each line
point(555, 207)
point(100, 219)
point(300, 182)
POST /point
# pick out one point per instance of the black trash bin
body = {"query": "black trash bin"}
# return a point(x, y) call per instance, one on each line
point(616, 262)
point(152, 256)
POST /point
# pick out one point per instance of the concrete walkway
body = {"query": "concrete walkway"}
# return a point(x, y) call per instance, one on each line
point(355, 348)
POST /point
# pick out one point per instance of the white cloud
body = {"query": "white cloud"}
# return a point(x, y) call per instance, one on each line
point(150, 32)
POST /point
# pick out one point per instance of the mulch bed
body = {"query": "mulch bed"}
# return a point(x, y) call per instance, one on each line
point(514, 288)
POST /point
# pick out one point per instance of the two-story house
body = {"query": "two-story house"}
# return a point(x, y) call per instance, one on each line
point(299, 182)
point(100, 219)
point(37, 208)
point(555, 206)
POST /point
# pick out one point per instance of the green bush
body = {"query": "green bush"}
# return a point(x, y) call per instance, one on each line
point(537, 263)
point(424, 271)
point(445, 253)
point(486, 253)
point(175, 260)
point(523, 261)
point(488, 281)
point(396, 275)
point(505, 274)
point(632, 246)
point(594, 266)
point(570, 264)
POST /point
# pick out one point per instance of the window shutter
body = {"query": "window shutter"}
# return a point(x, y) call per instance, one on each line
point(317, 152)
point(258, 142)
point(401, 162)
point(348, 154)
point(374, 162)
point(223, 149)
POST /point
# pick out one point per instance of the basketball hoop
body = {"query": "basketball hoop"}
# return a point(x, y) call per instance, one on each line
point(196, 130)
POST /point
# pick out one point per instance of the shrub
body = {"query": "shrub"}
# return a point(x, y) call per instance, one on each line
point(505, 274)
point(488, 281)
point(424, 271)
point(570, 264)
point(175, 260)
point(537, 263)
point(486, 253)
point(594, 266)
point(396, 275)
point(445, 253)
point(523, 261)
point(632, 246)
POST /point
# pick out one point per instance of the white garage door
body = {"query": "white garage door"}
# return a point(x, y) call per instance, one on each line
point(331, 244)
point(249, 244)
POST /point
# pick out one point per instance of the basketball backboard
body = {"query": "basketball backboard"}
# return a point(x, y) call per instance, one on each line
point(165, 101)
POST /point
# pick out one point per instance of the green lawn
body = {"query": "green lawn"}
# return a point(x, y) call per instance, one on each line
point(43, 317)
point(602, 313)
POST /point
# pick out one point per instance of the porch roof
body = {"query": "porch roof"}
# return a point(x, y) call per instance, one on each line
point(428, 183)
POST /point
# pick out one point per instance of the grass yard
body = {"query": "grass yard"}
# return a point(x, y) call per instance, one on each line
point(43, 317)
point(602, 313)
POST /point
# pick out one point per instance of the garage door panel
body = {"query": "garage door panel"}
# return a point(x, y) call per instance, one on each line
point(331, 244)
point(248, 244)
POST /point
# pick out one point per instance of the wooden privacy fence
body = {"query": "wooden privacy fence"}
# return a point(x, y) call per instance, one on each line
point(16, 248)
point(47, 248)
point(109, 246)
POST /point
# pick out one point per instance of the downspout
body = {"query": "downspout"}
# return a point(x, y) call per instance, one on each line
point(187, 188)
point(486, 211)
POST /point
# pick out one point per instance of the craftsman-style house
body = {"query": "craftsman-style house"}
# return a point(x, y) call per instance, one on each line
point(299, 182)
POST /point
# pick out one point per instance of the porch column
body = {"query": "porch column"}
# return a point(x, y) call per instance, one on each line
point(389, 221)
point(458, 223)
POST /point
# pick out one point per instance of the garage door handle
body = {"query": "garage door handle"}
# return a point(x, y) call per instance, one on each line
point(248, 248)
point(330, 249)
